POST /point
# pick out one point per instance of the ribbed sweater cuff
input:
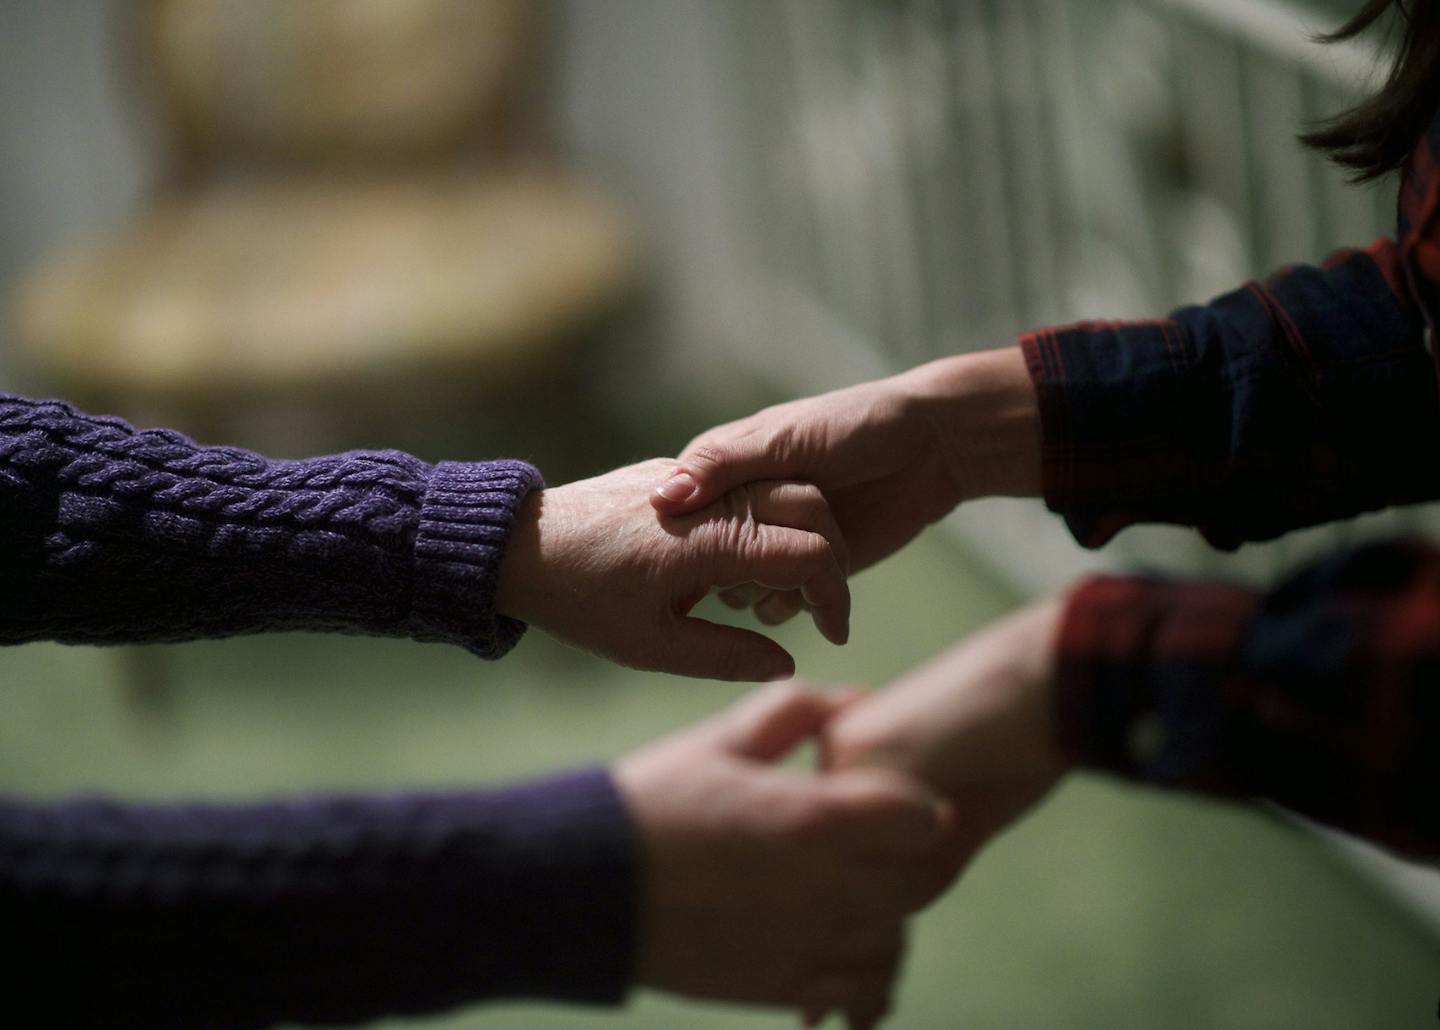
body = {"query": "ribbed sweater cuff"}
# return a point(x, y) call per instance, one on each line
point(465, 522)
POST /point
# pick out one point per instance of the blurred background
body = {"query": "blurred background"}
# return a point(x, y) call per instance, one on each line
point(580, 232)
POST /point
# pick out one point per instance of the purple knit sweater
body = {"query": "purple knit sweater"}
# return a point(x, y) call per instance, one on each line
point(326, 909)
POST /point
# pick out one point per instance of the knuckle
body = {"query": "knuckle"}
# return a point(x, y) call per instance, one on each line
point(784, 441)
point(747, 536)
point(810, 500)
point(706, 455)
point(737, 506)
point(811, 507)
point(814, 550)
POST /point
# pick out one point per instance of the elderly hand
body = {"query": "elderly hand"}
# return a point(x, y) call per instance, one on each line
point(977, 723)
point(891, 456)
point(769, 885)
point(593, 564)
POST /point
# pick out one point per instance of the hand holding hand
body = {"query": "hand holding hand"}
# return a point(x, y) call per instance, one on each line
point(767, 885)
point(977, 723)
point(891, 456)
point(593, 564)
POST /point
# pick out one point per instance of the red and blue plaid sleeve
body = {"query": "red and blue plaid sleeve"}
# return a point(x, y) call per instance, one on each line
point(1322, 695)
point(1305, 398)
point(1286, 403)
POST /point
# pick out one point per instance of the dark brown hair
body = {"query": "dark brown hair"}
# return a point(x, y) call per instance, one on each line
point(1377, 134)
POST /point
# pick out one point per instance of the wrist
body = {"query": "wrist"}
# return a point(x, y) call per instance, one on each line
point(984, 421)
point(520, 587)
point(1033, 649)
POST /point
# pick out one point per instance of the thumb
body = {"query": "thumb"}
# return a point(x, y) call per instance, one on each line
point(771, 722)
point(709, 471)
point(708, 650)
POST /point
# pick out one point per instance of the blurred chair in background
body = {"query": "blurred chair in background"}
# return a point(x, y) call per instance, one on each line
point(352, 203)
point(355, 226)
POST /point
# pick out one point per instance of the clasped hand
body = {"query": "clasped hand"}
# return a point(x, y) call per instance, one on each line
point(758, 883)
point(593, 564)
point(767, 885)
point(770, 885)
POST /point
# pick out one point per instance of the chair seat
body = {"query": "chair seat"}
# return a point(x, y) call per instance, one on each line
point(283, 283)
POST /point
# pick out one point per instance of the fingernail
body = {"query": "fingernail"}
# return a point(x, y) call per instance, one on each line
point(784, 669)
point(678, 487)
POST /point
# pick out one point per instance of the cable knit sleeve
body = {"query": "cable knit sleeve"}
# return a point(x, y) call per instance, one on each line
point(324, 909)
point(109, 534)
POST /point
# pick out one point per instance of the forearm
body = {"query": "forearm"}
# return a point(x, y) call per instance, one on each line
point(985, 418)
point(321, 910)
point(115, 535)
point(1318, 695)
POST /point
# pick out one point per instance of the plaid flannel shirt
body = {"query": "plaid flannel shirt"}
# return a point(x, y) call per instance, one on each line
point(1306, 398)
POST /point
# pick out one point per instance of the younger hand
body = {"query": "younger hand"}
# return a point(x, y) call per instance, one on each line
point(891, 456)
point(977, 723)
point(767, 885)
point(592, 563)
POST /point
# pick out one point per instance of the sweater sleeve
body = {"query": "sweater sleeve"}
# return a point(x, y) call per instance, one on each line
point(1285, 403)
point(109, 534)
point(1320, 695)
point(322, 910)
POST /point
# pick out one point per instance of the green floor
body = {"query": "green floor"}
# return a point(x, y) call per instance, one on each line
point(1109, 908)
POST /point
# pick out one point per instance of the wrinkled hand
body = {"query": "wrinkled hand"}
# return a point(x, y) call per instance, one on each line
point(977, 724)
point(592, 563)
point(772, 886)
point(891, 456)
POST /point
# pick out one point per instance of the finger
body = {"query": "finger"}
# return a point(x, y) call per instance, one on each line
point(711, 467)
point(813, 1017)
point(865, 1018)
point(680, 493)
point(708, 650)
point(911, 843)
point(779, 606)
point(744, 595)
point(863, 995)
point(768, 724)
point(799, 506)
point(889, 812)
point(795, 559)
point(870, 979)
point(802, 506)
point(825, 745)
